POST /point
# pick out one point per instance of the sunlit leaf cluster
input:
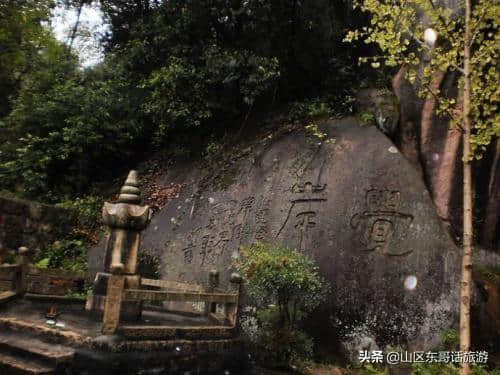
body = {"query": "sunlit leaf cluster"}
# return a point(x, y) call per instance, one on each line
point(397, 29)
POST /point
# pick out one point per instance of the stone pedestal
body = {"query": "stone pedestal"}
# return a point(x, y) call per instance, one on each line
point(130, 310)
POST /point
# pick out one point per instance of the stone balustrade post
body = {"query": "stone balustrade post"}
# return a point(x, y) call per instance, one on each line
point(23, 261)
point(213, 284)
point(112, 306)
point(232, 308)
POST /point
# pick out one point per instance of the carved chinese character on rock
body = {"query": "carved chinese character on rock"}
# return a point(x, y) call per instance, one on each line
point(303, 224)
point(213, 246)
point(305, 203)
point(379, 223)
point(246, 206)
point(261, 219)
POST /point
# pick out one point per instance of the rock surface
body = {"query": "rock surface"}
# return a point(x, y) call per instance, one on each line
point(354, 203)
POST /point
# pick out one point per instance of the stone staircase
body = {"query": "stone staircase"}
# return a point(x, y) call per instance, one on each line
point(6, 296)
point(28, 353)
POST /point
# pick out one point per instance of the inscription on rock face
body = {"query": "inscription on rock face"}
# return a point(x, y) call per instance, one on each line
point(303, 210)
point(227, 228)
point(381, 221)
point(261, 216)
point(338, 204)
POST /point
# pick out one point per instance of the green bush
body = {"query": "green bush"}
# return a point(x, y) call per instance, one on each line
point(286, 286)
point(366, 118)
point(309, 110)
point(278, 345)
point(88, 209)
point(451, 339)
point(68, 254)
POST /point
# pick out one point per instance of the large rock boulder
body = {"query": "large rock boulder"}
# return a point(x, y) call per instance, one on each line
point(353, 202)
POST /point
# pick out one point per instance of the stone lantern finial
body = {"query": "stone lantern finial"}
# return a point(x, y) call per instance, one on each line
point(130, 192)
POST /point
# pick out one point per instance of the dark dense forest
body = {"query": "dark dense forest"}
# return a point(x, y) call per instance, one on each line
point(175, 75)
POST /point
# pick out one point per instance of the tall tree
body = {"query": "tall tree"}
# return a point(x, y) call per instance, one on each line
point(464, 40)
point(466, 272)
point(22, 34)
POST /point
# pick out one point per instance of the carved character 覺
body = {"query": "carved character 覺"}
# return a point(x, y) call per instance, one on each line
point(378, 224)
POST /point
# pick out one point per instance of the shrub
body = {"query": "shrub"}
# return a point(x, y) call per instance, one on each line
point(70, 251)
point(68, 254)
point(286, 286)
point(309, 110)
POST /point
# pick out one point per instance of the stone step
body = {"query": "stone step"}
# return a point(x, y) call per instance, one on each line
point(16, 365)
point(6, 296)
point(29, 347)
point(39, 331)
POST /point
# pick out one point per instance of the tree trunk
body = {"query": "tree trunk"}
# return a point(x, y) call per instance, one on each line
point(77, 23)
point(466, 282)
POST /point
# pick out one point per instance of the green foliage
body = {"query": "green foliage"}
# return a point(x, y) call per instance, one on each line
point(9, 257)
point(316, 137)
point(80, 294)
point(213, 148)
point(396, 29)
point(68, 254)
point(280, 275)
point(273, 344)
point(451, 339)
point(303, 37)
point(172, 70)
point(434, 369)
point(309, 110)
point(21, 37)
point(366, 118)
point(43, 263)
point(63, 129)
point(88, 211)
point(286, 285)
point(148, 266)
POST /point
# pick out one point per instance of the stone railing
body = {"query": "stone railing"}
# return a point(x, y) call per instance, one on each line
point(22, 278)
point(53, 282)
point(13, 277)
point(213, 298)
point(119, 292)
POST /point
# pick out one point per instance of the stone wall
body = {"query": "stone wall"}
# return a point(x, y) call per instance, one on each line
point(31, 224)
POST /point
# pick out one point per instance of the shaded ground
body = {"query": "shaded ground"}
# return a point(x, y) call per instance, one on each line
point(77, 319)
